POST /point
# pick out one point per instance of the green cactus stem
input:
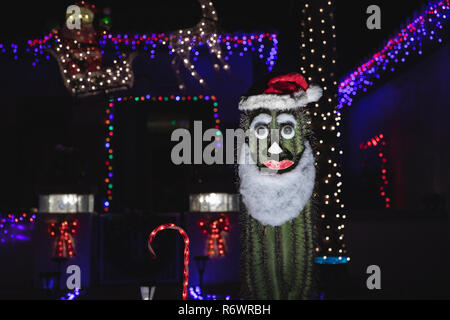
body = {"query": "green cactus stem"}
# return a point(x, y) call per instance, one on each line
point(277, 262)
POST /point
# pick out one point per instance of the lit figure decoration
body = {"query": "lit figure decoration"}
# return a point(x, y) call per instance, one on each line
point(182, 41)
point(186, 251)
point(64, 241)
point(80, 58)
point(215, 229)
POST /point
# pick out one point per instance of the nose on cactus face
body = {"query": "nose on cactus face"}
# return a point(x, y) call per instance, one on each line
point(275, 149)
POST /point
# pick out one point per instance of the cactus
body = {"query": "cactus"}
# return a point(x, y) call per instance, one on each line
point(277, 262)
point(277, 179)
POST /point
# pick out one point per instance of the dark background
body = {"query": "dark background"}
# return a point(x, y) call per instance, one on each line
point(410, 243)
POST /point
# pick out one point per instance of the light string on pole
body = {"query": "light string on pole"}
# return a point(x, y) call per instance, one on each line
point(318, 63)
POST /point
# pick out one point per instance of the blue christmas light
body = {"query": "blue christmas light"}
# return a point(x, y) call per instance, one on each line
point(16, 227)
point(265, 43)
point(109, 163)
point(72, 295)
point(331, 260)
point(196, 294)
point(397, 49)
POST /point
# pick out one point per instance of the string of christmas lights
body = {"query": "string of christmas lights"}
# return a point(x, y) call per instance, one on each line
point(109, 123)
point(263, 45)
point(72, 295)
point(214, 229)
point(318, 64)
point(331, 260)
point(196, 294)
point(427, 28)
point(379, 141)
point(16, 227)
point(186, 251)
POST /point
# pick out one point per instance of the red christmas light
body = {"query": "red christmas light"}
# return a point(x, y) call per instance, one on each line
point(110, 131)
point(186, 251)
point(64, 242)
point(214, 229)
point(375, 141)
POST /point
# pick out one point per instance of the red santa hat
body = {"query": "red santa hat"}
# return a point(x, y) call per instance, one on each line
point(282, 92)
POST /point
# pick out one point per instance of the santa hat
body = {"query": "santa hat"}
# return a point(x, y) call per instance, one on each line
point(282, 92)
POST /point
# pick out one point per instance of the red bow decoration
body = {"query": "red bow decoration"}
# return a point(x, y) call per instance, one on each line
point(214, 229)
point(286, 84)
point(64, 242)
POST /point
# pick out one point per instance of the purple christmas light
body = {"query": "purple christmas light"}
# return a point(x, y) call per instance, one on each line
point(396, 50)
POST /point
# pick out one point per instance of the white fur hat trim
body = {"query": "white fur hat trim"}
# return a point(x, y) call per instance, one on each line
point(273, 101)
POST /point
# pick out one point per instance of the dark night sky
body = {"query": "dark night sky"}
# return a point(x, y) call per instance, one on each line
point(32, 19)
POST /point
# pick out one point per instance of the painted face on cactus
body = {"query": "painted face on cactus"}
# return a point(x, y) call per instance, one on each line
point(276, 180)
point(277, 139)
point(276, 171)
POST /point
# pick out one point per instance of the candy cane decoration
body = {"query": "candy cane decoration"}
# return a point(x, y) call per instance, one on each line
point(186, 251)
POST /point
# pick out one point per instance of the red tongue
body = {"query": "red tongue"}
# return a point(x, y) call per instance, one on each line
point(275, 165)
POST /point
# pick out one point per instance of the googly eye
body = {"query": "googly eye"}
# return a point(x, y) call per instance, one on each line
point(261, 132)
point(287, 132)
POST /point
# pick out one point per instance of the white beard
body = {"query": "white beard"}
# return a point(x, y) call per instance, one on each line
point(274, 199)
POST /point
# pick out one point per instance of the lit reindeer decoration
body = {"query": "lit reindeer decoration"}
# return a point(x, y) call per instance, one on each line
point(205, 31)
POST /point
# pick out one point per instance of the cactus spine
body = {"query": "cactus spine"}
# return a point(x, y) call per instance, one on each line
point(277, 262)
